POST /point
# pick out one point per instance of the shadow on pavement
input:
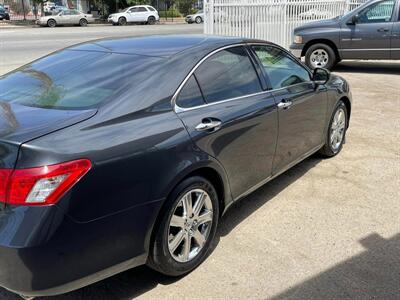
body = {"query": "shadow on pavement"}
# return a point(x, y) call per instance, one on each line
point(373, 274)
point(371, 67)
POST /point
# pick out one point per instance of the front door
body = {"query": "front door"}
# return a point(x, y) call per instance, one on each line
point(302, 107)
point(370, 37)
point(230, 117)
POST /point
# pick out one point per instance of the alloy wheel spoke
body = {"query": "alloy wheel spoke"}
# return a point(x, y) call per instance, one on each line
point(205, 218)
point(177, 221)
point(199, 237)
point(187, 205)
point(186, 247)
point(176, 241)
point(199, 204)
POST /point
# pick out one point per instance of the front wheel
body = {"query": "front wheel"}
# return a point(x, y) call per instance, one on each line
point(198, 20)
point(184, 234)
point(320, 56)
point(122, 21)
point(336, 134)
point(83, 22)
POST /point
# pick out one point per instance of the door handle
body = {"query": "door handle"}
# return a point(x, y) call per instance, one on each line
point(383, 29)
point(209, 124)
point(285, 104)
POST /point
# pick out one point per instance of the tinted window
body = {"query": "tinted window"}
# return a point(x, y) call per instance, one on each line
point(76, 79)
point(151, 8)
point(135, 9)
point(190, 95)
point(227, 74)
point(377, 13)
point(282, 71)
point(142, 9)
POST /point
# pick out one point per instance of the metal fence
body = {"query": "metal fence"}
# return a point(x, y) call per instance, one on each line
point(272, 20)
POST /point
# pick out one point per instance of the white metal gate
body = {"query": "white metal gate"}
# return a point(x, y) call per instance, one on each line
point(272, 20)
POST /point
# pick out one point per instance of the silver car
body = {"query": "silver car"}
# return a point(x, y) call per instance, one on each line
point(196, 18)
point(66, 17)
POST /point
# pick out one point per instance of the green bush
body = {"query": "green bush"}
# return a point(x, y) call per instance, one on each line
point(170, 13)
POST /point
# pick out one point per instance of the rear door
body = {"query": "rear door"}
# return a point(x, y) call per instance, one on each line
point(229, 116)
point(370, 37)
point(302, 106)
point(395, 42)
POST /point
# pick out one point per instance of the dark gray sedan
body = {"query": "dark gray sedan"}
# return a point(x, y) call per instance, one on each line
point(116, 153)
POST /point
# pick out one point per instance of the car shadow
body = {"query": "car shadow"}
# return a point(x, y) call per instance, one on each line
point(135, 282)
point(372, 274)
point(371, 67)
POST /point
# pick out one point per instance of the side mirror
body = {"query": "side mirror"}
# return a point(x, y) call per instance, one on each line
point(321, 76)
point(354, 20)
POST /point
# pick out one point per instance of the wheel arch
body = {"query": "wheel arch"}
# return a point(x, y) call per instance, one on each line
point(321, 41)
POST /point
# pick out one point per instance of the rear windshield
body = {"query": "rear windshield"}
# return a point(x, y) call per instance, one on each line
point(74, 79)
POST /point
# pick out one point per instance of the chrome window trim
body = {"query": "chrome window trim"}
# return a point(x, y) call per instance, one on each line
point(178, 109)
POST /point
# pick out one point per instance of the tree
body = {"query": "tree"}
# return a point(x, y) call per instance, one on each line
point(36, 4)
point(185, 6)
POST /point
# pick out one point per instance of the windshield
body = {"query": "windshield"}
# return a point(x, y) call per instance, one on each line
point(74, 79)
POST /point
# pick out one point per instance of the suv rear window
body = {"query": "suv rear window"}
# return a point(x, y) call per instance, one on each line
point(75, 79)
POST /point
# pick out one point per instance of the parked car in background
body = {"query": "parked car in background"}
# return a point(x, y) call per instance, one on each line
point(135, 14)
point(4, 14)
point(100, 171)
point(196, 18)
point(371, 31)
point(66, 17)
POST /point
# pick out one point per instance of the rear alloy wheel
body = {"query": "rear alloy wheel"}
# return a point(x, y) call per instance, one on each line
point(320, 56)
point(337, 131)
point(185, 233)
point(51, 23)
point(83, 22)
point(198, 20)
point(122, 21)
point(151, 20)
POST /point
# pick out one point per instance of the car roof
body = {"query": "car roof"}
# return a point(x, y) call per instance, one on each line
point(158, 45)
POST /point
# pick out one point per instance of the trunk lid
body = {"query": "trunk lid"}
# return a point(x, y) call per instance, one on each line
point(20, 124)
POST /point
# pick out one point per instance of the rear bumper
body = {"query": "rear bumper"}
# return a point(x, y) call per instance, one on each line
point(43, 252)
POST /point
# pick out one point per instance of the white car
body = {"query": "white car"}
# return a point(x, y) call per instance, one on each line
point(196, 18)
point(135, 14)
point(66, 17)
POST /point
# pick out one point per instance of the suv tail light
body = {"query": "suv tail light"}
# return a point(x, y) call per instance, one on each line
point(41, 185)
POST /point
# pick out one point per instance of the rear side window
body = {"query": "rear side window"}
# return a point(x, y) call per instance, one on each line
point(227, 74)
point(282, 71)
point(76, 79)
point(190, 95)
point(151, 8)
point(142, 9)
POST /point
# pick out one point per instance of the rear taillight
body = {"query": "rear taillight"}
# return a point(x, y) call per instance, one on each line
point(40, 185)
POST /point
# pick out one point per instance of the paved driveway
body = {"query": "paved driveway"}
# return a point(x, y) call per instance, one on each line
point(326, 229)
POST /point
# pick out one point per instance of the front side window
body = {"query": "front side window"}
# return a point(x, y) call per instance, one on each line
point(134, 9)
point(227, 74)
point(281, 70)
point(380, 12)
point(190, 95)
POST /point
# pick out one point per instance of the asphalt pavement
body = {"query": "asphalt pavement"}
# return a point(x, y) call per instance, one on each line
point(326, 229)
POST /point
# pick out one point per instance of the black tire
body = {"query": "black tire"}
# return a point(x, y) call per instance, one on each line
point(327, 50)
point(7, 17)
point(198, 20)
point(83, 22)
point(151, 20)
point(51, 23)
point(328, 150)
point(122, 21)
point(160, 258)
